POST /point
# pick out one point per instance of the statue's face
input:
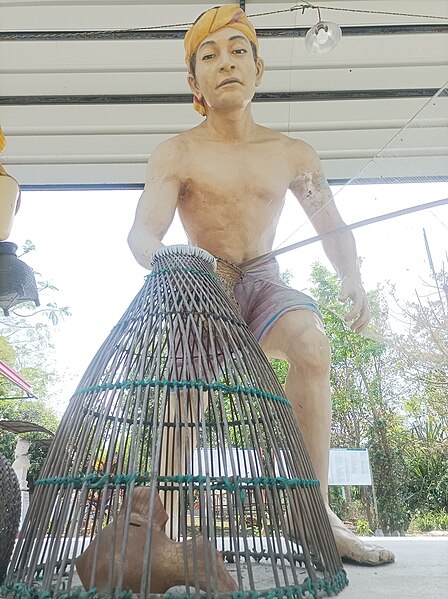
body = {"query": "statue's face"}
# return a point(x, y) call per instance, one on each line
point(226, 72)
point(22, 447)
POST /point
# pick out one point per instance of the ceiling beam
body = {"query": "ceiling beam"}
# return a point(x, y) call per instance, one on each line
point(139, 186)
point(262, 32)
point(306, 96)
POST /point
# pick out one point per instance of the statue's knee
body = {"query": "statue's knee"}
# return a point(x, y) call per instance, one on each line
point(312, 352)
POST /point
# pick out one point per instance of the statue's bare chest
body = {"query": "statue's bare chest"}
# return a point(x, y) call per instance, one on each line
point(232, 173)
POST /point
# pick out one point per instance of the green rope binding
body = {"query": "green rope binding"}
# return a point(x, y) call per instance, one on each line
point(198, 384)
point(21, 591)
point(237, 483)
point(94, 481)
point(330, 586)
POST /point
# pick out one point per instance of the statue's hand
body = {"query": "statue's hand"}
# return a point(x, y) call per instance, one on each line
point(359, 315)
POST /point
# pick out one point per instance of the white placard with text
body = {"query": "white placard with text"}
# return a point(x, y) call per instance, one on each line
point(349, 467)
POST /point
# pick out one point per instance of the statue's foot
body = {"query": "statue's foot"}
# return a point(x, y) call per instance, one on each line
point(352, 548)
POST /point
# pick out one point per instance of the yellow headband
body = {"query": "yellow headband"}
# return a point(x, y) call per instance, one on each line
point(216, 18)
point(2, 141)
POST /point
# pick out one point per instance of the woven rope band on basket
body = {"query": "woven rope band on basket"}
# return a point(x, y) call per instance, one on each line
point(178, 463)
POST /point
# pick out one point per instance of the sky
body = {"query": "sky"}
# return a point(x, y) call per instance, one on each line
point(81, 248)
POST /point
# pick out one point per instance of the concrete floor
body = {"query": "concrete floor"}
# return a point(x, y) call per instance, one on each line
point(420, 571)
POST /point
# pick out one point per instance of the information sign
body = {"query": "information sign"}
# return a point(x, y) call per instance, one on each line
point(349, 467)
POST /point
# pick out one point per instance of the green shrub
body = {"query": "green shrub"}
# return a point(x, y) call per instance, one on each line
point(426, 458)
point(429, 521)
point(363, 528)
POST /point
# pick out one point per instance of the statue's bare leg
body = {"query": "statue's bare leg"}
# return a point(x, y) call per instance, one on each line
point(298, 337)
point(179, 443)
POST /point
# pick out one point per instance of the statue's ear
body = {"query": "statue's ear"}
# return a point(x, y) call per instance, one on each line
point(192, 82)
point(260, 70)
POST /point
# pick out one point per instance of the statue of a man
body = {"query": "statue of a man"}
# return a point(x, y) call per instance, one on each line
point(22, 462)
point(9, 197)
point(228, 178)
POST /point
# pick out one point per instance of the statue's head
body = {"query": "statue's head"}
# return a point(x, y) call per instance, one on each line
point(221, 53)
point(22, 447)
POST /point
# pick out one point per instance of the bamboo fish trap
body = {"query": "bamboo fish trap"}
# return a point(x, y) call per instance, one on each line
point(178, 467)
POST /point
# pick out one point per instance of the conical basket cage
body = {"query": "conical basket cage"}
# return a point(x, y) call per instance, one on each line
point(178, 466)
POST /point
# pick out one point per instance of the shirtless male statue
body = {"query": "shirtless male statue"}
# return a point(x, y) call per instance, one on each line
point(228, 178)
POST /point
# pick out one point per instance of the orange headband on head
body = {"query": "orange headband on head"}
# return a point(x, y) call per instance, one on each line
point(2, 141)
point(216, 18)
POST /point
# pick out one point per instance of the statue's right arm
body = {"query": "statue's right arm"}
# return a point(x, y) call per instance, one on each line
point(157, 204)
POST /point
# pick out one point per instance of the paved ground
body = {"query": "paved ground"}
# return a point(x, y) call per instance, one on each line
point(420, 571)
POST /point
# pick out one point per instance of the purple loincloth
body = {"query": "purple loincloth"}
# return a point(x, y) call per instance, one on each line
point(263, 297)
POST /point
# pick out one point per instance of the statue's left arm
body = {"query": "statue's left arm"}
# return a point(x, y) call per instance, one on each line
point(311, 188)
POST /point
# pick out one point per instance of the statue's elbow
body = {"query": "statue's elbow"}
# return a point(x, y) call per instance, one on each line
point(134, 246)
point(142, 247)
point(131, 242)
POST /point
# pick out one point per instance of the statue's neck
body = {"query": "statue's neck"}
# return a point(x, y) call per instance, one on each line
point(236, 126)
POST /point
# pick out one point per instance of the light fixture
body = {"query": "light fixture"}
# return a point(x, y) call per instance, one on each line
point(17, 282)
point(323, 37)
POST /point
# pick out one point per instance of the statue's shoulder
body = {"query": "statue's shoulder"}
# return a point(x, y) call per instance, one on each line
point(168, 152)
point(183, 142)
point(303, 157)
point(265, 134)
point(289, 144)
point(300, 146)
point(192, 137)
point(170, 145)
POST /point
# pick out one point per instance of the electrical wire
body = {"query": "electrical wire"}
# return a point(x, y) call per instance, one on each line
point(441, 93)
point(298, 7)
point(368, 11)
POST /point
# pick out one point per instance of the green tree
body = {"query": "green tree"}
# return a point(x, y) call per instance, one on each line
point(13, 406)
point(423, 355)
point(365, 395)
point(25, 346)
point(281, 366)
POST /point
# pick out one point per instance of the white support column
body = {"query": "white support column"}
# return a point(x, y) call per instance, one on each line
point(20, 466)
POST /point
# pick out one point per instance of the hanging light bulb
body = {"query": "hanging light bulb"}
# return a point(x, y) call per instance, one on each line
point(322, 37)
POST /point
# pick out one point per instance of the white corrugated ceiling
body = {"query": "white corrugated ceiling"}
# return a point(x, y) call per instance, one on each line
point(83, 111)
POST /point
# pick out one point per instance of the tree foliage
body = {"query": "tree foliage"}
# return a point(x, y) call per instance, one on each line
point(422, 353)
point(13, 406)
point(389, 394)
point(364, 394)
point(25, 346)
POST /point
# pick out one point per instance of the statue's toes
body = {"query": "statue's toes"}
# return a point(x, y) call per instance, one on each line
point(367, 554)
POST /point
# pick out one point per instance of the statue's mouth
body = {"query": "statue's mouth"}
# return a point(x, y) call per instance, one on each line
point(228, 81)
